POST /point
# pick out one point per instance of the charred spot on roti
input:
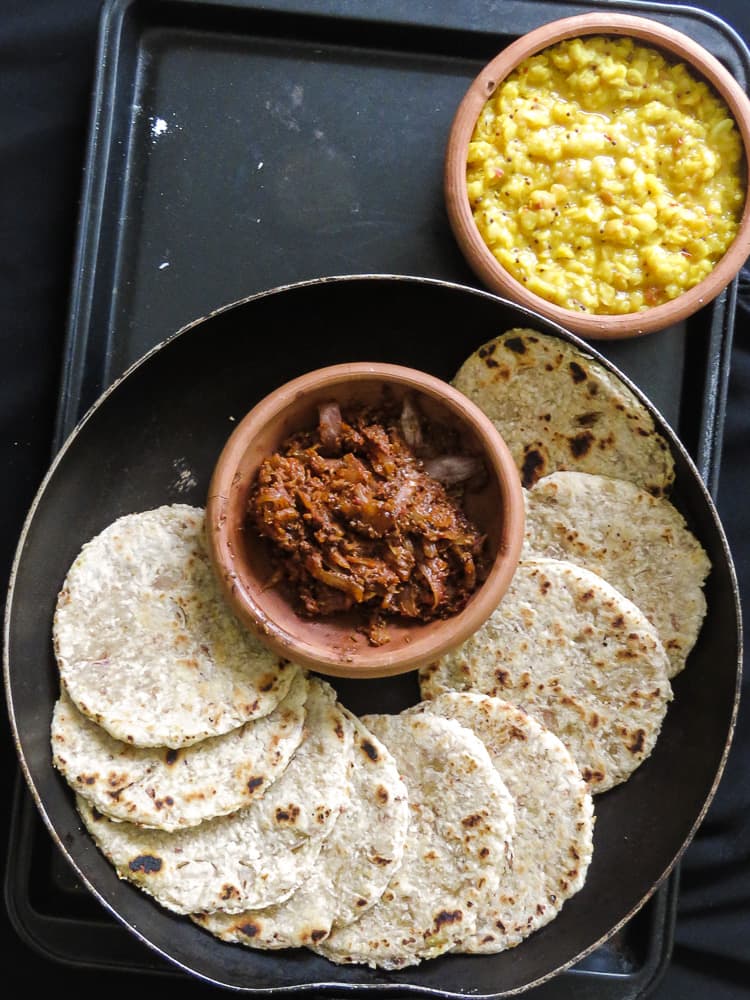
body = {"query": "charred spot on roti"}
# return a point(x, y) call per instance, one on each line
point(145, 863)
point(588, 419)
point(516, 344)
point(576, 372)
point(288, 814)
point(638, 742)
point(249, 929)
point(378, 860)
point(171, 756)
point(581, 444)
point(533, 466)
point(592, 775)
point(627, 654)
point(447, 917)
point(369, 750)
point(254, 784)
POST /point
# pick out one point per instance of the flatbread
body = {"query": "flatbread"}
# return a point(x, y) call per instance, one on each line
point(553, 840)
point(569, 649)
point(171, 789)
point(254, 857)
point(558, 408)
point(639, 543)
point(458, 846)
point(145, 643)
point(356, 863)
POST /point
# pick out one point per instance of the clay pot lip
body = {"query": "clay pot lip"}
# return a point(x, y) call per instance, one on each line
point(478, 256)
point(293, 638)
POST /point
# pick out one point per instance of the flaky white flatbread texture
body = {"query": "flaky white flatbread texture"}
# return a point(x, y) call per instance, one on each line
point(171, 789)
point(553, 840)
point(458, 846)
point(353, 869)
point(558, 408)
point(639, 543)
point(569, 649)
point(256, 856)
point(145, 644)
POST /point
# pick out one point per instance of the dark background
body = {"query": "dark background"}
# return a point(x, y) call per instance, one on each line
point(47, 62)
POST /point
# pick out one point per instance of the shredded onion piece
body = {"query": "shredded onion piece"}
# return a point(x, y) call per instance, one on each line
point(411, 424)
point(453, 469)
point(329, 425)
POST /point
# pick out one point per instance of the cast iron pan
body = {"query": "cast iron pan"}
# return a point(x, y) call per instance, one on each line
point(153, 438)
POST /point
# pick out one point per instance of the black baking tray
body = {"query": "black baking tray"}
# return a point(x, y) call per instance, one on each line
point(236, 147)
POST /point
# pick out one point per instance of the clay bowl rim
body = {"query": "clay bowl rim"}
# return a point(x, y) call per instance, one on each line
point(480, 259)
point(228, 492)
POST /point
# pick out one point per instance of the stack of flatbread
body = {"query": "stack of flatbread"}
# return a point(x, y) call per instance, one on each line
point(236, 790)
point(607, 601)
point(218, 778)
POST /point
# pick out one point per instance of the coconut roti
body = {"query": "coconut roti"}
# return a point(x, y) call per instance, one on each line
point(256, 856)
point(458, 846)
point(553, 840)
point(558, 408)
point(170, 789)
point(145, 644)
point(358, 859)
point(569, 649)
point(639, 543)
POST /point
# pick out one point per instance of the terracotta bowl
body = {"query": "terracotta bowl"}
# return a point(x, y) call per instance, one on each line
point(331, 645)
point(494, 276)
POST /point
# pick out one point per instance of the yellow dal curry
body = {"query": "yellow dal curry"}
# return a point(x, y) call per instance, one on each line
point(604, 177)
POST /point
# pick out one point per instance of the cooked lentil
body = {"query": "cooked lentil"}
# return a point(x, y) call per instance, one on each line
point(605, 178)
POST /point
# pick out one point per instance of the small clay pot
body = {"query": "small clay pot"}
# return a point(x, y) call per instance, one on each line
point(332, 645)
point(479, 257)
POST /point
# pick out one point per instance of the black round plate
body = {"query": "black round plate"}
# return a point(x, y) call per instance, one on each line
point(153, 438)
